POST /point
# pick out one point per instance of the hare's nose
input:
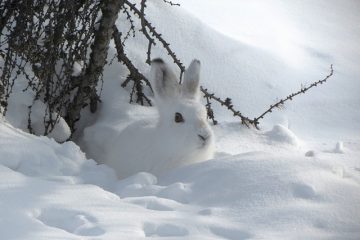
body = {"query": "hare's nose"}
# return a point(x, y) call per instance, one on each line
point(203, 138)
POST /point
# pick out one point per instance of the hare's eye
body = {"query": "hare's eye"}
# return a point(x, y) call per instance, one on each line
point(179, 118)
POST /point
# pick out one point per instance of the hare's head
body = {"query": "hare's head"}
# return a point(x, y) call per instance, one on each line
point(182, 115)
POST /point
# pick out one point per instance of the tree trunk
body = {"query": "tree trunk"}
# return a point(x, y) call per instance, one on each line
point(87, 89)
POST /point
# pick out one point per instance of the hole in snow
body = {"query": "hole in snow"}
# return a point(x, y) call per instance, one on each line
point(164, 230)
point(71, 221)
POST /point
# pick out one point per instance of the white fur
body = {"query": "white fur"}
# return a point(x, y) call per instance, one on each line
point(166, 144)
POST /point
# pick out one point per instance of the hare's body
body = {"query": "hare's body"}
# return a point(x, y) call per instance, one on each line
point(181, 135)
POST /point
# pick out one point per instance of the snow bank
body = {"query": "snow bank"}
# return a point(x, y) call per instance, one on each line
point(18, 113)
point(43, 157)
point(281, 134)
point(49, 190)
point(281, 45)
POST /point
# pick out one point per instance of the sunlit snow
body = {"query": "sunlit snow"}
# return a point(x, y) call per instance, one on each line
point(298, 177)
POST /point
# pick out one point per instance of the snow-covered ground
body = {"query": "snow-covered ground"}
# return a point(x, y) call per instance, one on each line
point(50, 191)
point(296, 178)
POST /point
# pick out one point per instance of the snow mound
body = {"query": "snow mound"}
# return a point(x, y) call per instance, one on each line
point(18, 113)
point(281, 134)
point(71, 221)
point(259, 195)
point(43, 157)
point(339, 147)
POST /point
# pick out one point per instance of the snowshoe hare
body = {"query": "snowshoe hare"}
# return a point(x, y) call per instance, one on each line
point(181, 136)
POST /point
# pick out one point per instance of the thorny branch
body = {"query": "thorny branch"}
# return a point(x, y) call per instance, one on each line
point(172, 3)
point(291, 96)
point(227, 103)
point(210, 112)
point(132, 25)
point(158, 36)
point(256, 121)
point(144, 30)
point(134, 74)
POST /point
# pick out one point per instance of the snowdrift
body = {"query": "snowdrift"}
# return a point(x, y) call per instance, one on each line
point(50, 190)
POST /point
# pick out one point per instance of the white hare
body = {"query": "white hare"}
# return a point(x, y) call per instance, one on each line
point(182, 134)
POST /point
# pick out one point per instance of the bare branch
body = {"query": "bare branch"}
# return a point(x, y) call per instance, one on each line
point(171, 3)
point(134, 74)
point(209, 110)
point(132, 25)
point(227, 103)
point(158, 36)
point(144, 30)
point(291, 96)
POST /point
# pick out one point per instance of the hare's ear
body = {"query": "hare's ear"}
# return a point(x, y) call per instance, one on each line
point(163, 80)
point(190, 87)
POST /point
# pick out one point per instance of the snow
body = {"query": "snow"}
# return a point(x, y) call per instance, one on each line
point(281, 134)
point(57, 193)
point(18, 112)
point(281, 45)
point(296, 178)
point(339, 148)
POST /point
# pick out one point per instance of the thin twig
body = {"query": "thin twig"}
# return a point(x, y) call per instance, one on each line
point(227, 102)
point(144, 30)
point(158, 36)
point(132, 25)
point(134, 74)
point(209, 110)
point(291, 96)
point(171, 3)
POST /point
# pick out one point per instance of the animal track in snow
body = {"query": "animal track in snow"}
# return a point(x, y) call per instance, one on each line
point(310, 153)
point(155, 203)
point(178, 191)
point(205, 212)
point(230, 234)
point(164, 230)
point(71, 221)
point(304, 191)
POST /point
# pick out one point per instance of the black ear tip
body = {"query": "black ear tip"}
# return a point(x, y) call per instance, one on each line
point(157, 60)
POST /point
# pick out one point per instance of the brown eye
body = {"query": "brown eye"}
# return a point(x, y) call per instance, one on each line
point(179, 118)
